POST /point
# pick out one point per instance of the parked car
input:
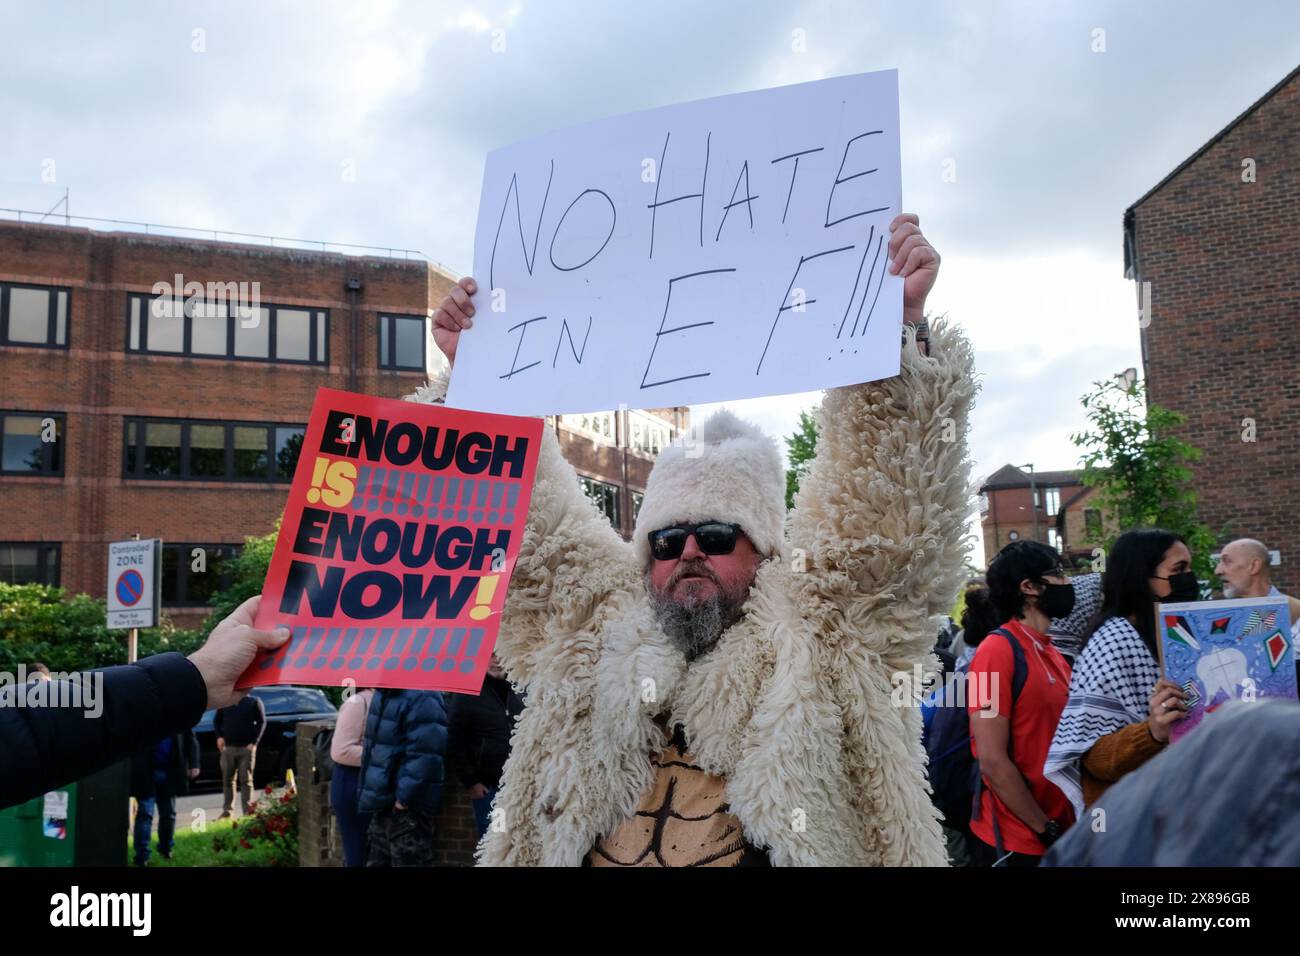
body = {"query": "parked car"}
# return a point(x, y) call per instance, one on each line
point(285, 706)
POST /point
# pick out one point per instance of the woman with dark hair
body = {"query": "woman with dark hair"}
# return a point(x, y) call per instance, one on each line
point(1018, 686)
point(978, 618)
point(1120, 709)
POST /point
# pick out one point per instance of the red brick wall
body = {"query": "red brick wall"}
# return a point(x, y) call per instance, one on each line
point(1223, 344)
point(455, 835)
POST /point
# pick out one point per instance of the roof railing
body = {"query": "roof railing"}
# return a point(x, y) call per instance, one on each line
point(220, 235)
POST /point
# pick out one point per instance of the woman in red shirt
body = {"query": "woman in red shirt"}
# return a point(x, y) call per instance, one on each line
point(1020, 811)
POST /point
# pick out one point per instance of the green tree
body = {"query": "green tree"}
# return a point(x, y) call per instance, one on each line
point(1141, 469)
point(247, 575)
point(801, 447)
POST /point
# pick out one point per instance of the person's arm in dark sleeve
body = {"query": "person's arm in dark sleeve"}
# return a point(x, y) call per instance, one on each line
point(217, 722)
point(459, 742)
point(42, 748)
point(191, 749)
point(259, 722)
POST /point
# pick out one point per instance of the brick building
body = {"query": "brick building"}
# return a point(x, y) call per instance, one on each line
point(1215, 250)
point(1053, 507)
point(120, 413)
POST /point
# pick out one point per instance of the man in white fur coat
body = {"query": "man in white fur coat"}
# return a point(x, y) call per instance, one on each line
point(713, 692)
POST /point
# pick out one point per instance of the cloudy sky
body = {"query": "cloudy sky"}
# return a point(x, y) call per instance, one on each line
point(243, 116)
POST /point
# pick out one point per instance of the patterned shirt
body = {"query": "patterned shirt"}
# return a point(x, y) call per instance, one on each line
point(684, 820)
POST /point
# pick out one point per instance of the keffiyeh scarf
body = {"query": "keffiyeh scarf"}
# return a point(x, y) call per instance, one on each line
point(1109, 690)
point(1067, 633)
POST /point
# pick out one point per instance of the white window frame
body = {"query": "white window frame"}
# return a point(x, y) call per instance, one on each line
point(1052, 501)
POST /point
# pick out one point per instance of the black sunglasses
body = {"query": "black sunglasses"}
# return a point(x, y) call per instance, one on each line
point(713, 537)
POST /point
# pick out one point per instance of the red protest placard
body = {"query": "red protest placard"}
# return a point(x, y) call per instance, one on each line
point(402, 528)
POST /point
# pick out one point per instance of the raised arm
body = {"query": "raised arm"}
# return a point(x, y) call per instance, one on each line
point(570, 558)
point(881, 515)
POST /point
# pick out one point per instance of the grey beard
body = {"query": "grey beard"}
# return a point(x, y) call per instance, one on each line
point(1229, 592)
point(696, 627)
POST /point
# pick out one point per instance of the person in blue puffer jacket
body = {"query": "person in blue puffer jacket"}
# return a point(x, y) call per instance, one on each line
point(402, 774)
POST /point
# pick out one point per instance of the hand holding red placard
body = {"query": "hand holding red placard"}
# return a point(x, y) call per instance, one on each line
point(402, 528)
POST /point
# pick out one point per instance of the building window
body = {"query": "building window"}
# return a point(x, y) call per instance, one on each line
point(1054, 538)
point(637, 498)
point(604, 495)
point(23, 563)
point(163, 325)
point(31, 443)
point(288, 445)
point(210, 451)
point(1053, 500)
point(33, 315)
point(649, 434)
point(1092, 522)
point(599, 425)
point(403, 341)
point(192, 573)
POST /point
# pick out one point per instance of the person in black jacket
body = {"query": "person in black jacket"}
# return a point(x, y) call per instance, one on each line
point(160, 772)
point(239, 730)
point(401, 775)
point(480, 739)
point(44, 748)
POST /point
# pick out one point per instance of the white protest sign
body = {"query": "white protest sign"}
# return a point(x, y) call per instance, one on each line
point(727, 248)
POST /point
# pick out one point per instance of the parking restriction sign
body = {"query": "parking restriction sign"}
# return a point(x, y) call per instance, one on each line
point(133, 583)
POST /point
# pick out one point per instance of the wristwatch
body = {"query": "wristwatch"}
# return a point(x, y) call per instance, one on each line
point(1050, 833)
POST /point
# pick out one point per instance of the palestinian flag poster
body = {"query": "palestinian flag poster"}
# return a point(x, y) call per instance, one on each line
point(1219, 651)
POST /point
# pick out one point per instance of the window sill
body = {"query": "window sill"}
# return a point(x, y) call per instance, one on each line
point(209, 483)
point(235, 360)
point(34, 345)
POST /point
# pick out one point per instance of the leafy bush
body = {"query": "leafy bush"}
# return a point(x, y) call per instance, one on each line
point(267, 838)
point(37, 623)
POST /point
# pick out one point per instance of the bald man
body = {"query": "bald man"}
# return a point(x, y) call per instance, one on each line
point(1244, 570)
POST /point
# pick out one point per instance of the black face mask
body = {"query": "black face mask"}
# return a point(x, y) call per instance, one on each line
point(1183, 587)
point(1057, 600)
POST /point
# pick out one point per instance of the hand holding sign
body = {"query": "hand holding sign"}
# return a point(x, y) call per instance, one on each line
point(230, 648)
point(455, 312)
point(1167, 705)
point(912, 257)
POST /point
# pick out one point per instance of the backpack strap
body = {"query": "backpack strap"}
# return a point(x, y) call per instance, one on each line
point(1019, 674)
point(1020, 669)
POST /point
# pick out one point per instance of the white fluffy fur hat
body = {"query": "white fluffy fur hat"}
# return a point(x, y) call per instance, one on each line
point(726, 470)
